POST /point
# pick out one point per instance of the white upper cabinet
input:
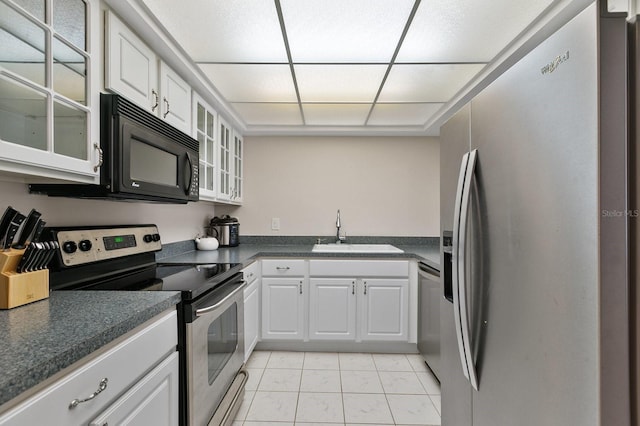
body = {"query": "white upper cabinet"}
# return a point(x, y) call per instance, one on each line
point(48, 89)
point(237, 171)
point(175, 94)
point(134, 71)
point(224, 160)
point(205, 131)
point(131, 67)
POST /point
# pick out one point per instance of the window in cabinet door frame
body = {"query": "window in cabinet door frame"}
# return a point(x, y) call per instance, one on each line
point(238, 149)
point(65, 53)
point(205, 131)
point(224, 159)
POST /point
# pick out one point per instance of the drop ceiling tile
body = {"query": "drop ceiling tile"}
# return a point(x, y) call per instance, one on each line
point(264, 114)
point(339, 83)
point(409, 114)
point(223, 30)
point(344, 31)
point(252, 82)
point(466, 30)
point(336, 114)
point(426, 83)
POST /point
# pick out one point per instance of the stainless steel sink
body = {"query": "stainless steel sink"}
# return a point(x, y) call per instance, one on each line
point(355, 248)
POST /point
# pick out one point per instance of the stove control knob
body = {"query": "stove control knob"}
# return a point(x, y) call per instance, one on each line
point(156, 237)
point(85, 245)
point(148, 238)
point(69, 247)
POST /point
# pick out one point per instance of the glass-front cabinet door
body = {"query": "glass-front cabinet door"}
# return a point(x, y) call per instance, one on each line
point(204, 130)
point(46, 123)
point(224, 160)
point(238, 149)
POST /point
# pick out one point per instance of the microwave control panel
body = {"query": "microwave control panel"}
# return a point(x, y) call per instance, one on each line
point(81, 246)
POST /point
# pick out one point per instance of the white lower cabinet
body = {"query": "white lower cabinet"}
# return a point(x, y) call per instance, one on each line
point(385, 309)
point(282, 308)
point(361, 300)
point(152, 401)
point(332, 309)
point(336, 300)
point(251, 308)
point(134, 382)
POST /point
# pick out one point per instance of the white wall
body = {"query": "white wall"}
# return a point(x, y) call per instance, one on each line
point(383, 186)
point(175, 222)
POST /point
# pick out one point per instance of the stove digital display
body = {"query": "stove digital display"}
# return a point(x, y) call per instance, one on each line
point(119, 242)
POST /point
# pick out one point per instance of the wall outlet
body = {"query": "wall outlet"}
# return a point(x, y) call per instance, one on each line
point(275, 223)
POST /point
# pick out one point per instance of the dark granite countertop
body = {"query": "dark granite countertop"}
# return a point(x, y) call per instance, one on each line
point(42, 338)
point(247, 252)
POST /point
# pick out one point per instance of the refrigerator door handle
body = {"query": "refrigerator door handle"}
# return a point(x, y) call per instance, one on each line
point(462, 268)
point(455, 260)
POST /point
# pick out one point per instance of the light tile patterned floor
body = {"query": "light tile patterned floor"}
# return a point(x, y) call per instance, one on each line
point(320, 388)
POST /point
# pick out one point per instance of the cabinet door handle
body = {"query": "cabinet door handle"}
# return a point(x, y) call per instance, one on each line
point(155, 99)
point(100, 157)
point(282, 268)
point(102, 386)
point(166, 102)
point(300, 287)
point(353, 287)
point(365, 287)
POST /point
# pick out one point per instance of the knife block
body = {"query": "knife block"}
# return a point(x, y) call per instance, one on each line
point(19, 289)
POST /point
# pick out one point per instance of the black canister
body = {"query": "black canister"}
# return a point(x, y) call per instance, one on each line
point(226, 229)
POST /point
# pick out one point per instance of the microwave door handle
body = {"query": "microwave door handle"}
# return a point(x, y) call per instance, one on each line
point(188, 179)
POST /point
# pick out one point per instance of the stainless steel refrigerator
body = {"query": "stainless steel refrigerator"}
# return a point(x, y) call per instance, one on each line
point(539, 224)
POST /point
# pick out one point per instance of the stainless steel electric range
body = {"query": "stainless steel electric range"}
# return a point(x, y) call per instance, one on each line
point(211, 313)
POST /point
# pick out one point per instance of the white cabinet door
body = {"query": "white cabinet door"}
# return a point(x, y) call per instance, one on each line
point(237, 167)
point(385, 309)
point(224, 160)
point(251, 317)
point(152, 401)
point(332, 309)
point(132, 67)
point(175, 95)
point(282, 308)
point(205, 131)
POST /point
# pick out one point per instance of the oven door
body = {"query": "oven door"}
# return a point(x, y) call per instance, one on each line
point(214, 349)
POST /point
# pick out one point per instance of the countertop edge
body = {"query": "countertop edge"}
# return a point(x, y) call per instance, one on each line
point(15, 385)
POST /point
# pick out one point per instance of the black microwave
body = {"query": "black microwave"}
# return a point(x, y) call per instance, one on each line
point(143, 158)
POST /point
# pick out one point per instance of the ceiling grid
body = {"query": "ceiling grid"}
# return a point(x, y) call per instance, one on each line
point(368, 65)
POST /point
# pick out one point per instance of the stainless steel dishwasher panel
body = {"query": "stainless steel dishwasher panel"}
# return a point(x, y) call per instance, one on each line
point(429, 295)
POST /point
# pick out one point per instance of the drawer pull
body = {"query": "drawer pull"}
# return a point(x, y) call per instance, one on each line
point(102, 386)
point(282, 268)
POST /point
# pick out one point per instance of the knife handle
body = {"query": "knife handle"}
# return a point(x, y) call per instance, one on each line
point(38, 231)
point(26, 256)
point(29, 225)
point(13, 229)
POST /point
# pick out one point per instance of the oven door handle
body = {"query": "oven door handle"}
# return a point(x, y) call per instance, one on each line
point(204, 311)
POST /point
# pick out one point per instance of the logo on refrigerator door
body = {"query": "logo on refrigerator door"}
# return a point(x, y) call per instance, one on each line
point(135, 184)
point(553, 65)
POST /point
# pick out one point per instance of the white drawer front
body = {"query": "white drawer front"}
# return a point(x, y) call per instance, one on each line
point(251, 272)
point(284, 267)
point(358, 268)
point(122, 366)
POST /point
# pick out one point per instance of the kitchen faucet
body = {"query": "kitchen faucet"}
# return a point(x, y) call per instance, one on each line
point(338, 225)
